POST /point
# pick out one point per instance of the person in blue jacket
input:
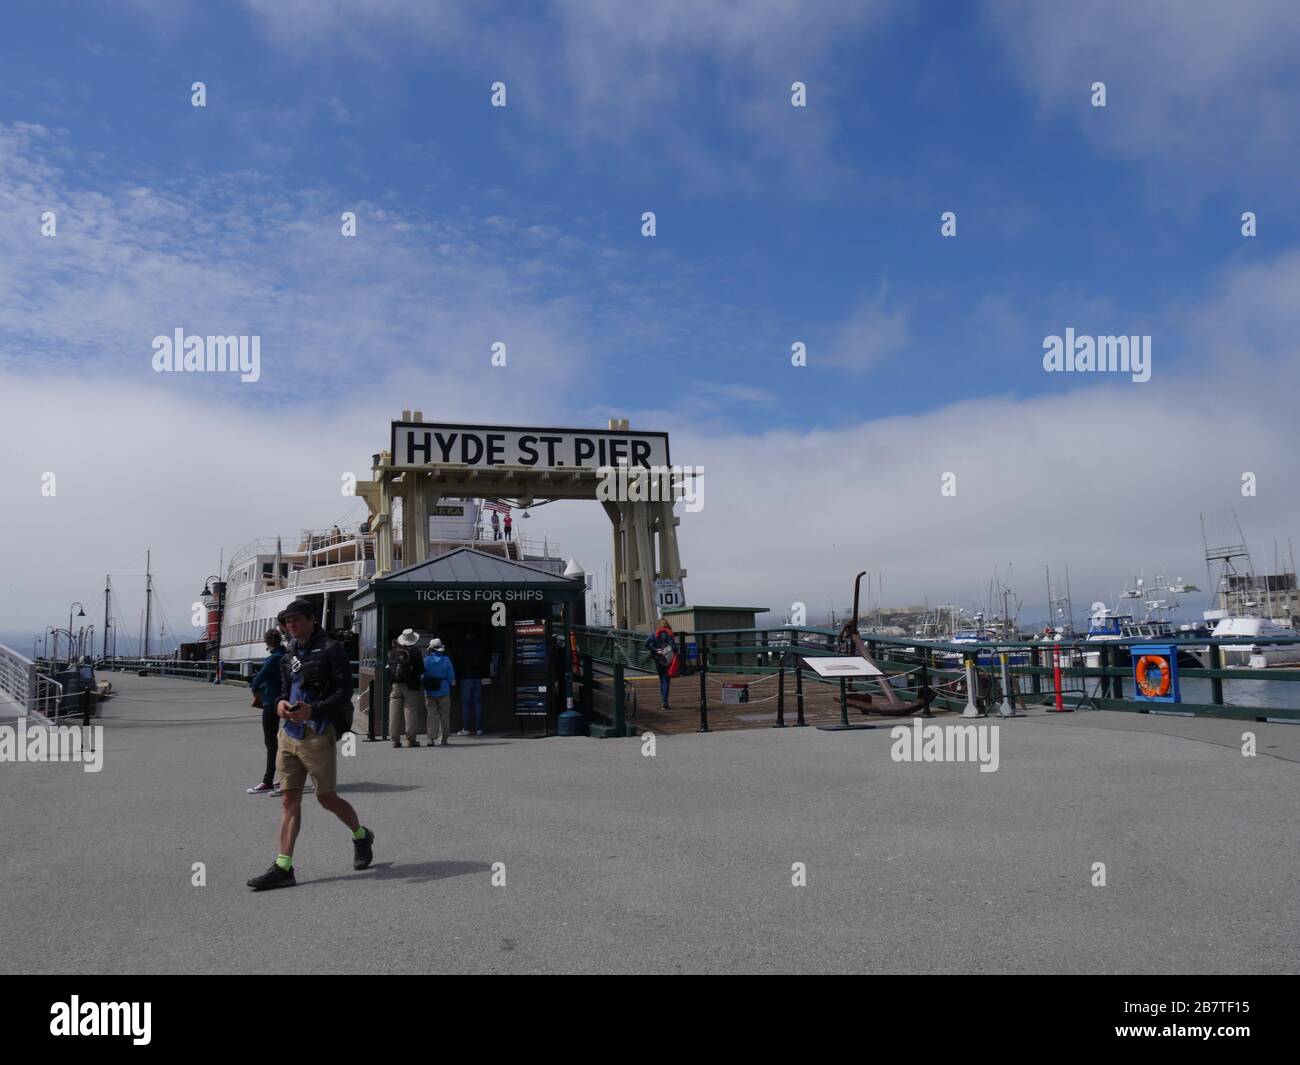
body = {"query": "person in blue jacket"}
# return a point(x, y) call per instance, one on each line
point(267, 684)
point(439, 676)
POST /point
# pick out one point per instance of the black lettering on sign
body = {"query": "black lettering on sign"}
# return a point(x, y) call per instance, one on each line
point(496, 449)
point(445, 445)
point(550, 442)
point(466, 456)
point(617, 451)
point(583, 448)
point(641, 453)
point(425, 445)
point(529, 452)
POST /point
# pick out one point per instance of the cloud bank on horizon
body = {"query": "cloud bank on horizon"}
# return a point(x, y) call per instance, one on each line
point(775, 225)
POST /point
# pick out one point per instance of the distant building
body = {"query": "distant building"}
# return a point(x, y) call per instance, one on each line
point(1266, 594)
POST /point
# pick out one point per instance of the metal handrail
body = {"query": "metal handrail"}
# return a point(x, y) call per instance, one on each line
point(762, 651)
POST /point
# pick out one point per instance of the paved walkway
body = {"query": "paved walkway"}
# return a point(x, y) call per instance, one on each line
point(616, 862)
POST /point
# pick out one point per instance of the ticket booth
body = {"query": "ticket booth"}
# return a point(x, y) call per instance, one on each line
point(505, 603)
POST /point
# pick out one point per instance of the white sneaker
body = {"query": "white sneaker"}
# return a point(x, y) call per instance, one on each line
point(480, 732)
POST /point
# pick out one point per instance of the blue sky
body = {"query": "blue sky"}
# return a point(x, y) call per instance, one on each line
point(775, 225)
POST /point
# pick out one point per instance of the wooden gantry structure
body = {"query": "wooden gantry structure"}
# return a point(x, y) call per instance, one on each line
point(644, 532)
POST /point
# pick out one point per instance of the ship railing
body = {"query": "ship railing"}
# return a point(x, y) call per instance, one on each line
point(316, 538)
point(335, 571)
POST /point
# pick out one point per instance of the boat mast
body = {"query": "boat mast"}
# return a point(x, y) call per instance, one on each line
point(1069, 600)
point(148, 602)
point(108, 599)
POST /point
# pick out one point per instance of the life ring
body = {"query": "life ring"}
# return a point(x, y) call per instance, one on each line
point(1142, 676)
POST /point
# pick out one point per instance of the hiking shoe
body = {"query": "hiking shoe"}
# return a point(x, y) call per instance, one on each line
point(362, 850)
point(273, 878)
point(397, 743)
point(261, 789)
point(414, 743)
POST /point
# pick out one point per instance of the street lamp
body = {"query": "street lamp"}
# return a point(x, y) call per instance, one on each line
point(81, 613)
point(57, 633)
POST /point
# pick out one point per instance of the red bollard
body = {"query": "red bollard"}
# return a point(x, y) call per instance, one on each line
point(1056, 676)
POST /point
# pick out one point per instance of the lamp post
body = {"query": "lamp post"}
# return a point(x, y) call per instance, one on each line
point(57, 633)
point(81, 613)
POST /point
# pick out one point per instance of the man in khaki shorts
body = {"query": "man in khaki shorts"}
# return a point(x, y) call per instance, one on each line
point(317, 680)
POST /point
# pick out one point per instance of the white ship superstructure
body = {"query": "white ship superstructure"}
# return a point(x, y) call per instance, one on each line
point(326, 566)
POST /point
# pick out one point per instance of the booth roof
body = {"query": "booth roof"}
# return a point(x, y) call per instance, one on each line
point(465, 565)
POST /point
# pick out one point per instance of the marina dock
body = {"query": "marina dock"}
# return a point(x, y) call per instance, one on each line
point(616, 861)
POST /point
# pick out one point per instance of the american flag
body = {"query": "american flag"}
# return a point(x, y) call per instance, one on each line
point(496, 504)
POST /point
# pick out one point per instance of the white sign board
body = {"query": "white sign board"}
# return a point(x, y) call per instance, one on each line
point(669, 593)
point(485, 446)
point(843, 667)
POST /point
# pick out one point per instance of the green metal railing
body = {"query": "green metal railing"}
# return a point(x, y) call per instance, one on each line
point(608, 654)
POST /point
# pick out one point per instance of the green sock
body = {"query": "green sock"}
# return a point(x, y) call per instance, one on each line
point(285, 862)
point(360, 833)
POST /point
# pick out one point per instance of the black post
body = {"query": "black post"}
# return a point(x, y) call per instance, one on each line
point(923, 689)
point(587, 669)
point(798, 689)
point(370, 701)
point(780, 694)
point(1117, 685)
point(704, 692)
point(620, 693)
point(1216, 683)
point(844, 702)
point(1105, 665)
point(1036, 660)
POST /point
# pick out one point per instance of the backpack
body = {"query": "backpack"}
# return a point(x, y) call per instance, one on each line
point(413, 674)
point(341, 716)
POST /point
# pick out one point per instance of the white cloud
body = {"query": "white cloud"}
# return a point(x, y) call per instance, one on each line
point(236, 253)
point(877, 330)
point(618, 75)
point(1188, 81)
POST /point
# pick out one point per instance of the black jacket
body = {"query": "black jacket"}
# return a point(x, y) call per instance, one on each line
point(327, 675)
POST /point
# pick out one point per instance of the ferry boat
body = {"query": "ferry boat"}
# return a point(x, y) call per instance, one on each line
point(328, 565)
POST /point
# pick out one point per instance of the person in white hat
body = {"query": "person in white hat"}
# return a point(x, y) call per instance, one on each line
point(406, 696)
point(439, 676)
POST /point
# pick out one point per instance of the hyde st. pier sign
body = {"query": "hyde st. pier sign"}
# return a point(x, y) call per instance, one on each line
point(485, 446)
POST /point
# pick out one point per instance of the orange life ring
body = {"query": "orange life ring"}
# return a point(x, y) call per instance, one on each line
point(1142, 677)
